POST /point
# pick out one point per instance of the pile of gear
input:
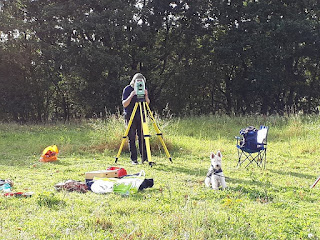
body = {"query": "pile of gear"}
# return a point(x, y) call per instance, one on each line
point(113, 179)
point(6, 188)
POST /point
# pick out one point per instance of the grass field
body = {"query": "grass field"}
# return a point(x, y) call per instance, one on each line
point(275, 203)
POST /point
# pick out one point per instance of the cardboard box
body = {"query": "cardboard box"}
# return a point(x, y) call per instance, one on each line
point(102, 174)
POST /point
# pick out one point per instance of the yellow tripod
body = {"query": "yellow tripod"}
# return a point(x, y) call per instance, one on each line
point(144, 109)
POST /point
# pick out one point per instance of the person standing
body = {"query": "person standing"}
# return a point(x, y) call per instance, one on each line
point(129, 98)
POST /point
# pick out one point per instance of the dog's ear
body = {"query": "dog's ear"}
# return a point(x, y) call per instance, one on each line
point(219, 154)
point(212, 155)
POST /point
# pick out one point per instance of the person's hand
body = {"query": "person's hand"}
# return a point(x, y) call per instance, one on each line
point(146, 97)
point(132, 94)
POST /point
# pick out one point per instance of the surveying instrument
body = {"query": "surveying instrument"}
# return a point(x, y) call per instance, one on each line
point(139, 88)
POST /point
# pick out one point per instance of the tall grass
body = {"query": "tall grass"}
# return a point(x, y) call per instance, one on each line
point(275, 203)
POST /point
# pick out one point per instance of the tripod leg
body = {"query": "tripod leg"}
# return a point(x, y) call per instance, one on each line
point(315, 183)
point(127, 131)
point(145, 129)
point(159, 133)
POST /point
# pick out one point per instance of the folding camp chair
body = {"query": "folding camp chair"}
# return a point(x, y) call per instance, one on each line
point(252, 147)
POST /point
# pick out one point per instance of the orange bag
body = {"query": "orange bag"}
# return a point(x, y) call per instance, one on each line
point(50, 154)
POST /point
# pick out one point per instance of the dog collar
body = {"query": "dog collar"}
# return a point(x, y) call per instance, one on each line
point(214, 171)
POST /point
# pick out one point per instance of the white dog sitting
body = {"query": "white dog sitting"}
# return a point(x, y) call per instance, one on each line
point(215, 176)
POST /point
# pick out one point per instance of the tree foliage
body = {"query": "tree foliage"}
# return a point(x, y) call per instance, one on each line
point(69, 59)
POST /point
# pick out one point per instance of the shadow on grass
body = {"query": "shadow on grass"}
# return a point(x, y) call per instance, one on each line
point(22, 162)
point(170, 168)
point(179, 169)
point(254, 194)
point(15, 162)
point(60, 163)
point(241, 181)
point(203, 172)
point(294, 174)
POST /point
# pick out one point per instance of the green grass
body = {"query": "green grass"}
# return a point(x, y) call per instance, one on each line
point(275, 203)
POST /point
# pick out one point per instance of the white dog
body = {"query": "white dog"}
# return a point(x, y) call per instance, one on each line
point(215, 176)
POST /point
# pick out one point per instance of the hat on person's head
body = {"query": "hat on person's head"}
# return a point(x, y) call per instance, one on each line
point(135, 77)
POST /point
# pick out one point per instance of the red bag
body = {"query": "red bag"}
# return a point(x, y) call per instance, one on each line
point(121, 171)
point(50, 154)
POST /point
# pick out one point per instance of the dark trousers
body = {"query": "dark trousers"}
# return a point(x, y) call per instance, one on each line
point(136, 129)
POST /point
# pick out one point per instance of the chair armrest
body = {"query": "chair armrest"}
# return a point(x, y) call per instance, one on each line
point(238, 139)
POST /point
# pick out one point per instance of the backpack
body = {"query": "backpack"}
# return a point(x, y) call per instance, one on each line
point(249, 138)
